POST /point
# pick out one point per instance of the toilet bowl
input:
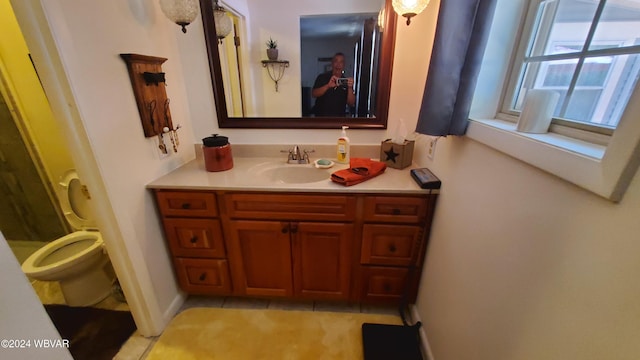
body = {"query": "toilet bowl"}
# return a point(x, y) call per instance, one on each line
point(78, 261)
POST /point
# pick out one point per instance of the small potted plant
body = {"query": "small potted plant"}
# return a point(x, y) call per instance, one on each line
point(272, 49)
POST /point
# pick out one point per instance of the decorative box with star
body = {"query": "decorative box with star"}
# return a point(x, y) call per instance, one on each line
point(397, 156)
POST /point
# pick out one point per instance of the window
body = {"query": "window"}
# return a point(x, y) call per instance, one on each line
point(585, 50)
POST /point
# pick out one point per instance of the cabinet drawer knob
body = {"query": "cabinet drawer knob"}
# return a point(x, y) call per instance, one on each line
point(194, 239)
point(186, 205)
point(285, 229)
point(387, 288)
point(395, 211)
point(392, 248)
point(203, 276)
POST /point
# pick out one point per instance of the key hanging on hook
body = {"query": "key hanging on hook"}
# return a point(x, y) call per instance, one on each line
point(167, 128)
point(175, 134)
point(161, 145)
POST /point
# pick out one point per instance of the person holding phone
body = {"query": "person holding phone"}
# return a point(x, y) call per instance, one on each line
point(332, 91)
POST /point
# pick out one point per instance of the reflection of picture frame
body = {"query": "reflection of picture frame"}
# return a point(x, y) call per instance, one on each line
point(324, 64)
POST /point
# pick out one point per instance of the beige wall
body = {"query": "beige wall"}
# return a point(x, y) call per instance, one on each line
point(523, 265)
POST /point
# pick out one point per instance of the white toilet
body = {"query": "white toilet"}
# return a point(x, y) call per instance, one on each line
point(78, 260)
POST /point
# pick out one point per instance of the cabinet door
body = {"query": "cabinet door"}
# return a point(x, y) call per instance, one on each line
point(260, 258)
point(322, 260)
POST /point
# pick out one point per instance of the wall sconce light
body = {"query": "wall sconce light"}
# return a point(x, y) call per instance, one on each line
point(409, 8)
point(381, 16)
point(222, 21)
point(181, 12)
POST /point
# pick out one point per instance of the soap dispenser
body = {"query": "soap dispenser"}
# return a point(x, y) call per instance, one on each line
point(343, 147)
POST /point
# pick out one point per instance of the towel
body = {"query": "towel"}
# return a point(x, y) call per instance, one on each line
point(360, 169)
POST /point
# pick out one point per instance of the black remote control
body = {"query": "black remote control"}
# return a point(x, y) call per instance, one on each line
point(425, 178)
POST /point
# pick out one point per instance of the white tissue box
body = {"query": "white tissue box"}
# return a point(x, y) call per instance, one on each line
point(397, 156)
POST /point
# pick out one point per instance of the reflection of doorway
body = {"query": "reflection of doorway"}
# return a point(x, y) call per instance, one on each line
point(231, 61)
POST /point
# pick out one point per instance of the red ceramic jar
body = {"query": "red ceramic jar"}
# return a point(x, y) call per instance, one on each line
point(217, 153)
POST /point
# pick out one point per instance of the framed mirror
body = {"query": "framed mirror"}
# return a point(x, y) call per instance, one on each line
point(290, 102)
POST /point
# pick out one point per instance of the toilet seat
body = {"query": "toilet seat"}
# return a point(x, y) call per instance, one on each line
point(74, 201)
point(34, 267)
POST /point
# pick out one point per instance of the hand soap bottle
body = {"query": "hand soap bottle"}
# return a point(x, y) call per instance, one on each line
point(343, 147)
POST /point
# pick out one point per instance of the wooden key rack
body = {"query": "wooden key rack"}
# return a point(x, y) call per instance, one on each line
point(148, 82)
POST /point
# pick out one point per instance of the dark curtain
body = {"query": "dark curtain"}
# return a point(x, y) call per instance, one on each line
point(461, 37)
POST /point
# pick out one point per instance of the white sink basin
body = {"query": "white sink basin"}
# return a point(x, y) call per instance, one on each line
point(291, 173)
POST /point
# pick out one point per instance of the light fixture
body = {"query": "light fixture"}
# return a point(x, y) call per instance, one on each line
point(181, 12)
point(409, 8)
point(381, 17)
point(222, 21)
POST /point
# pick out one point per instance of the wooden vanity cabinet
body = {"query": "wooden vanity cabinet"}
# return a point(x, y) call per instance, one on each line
point(292, 257)
point(352, 247)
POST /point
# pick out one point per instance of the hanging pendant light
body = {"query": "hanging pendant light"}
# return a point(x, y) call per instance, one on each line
point(223, 22)
point(181, 12)
point(409, 8)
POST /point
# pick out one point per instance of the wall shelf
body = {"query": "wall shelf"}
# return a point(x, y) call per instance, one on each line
point(275, 68)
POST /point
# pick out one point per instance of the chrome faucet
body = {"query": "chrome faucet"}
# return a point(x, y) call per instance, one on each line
point(296, 156)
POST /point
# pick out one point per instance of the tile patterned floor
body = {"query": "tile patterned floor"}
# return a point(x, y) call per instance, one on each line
point(137, 347)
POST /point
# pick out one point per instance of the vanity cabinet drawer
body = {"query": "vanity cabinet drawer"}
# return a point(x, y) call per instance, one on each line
point(395, 209)
point(203, 276)
point(195, 237)
point(187, 203)
point(394, 245)
point(290, 207)
point(383, 284)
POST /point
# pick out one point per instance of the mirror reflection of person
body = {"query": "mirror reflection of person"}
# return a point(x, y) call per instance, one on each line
point(331, 98)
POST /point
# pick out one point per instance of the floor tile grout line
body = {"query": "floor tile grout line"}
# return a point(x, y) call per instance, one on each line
point(149, 347)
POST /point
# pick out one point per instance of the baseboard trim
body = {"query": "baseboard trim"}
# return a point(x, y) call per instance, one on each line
point(424, 342)
point(173, 308)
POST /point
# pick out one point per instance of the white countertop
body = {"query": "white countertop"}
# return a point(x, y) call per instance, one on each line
point(193, 176)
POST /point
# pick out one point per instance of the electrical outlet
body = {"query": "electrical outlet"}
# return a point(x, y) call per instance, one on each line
point(431, 149)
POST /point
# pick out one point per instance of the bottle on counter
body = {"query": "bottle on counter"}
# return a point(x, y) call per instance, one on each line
point(343, 154)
